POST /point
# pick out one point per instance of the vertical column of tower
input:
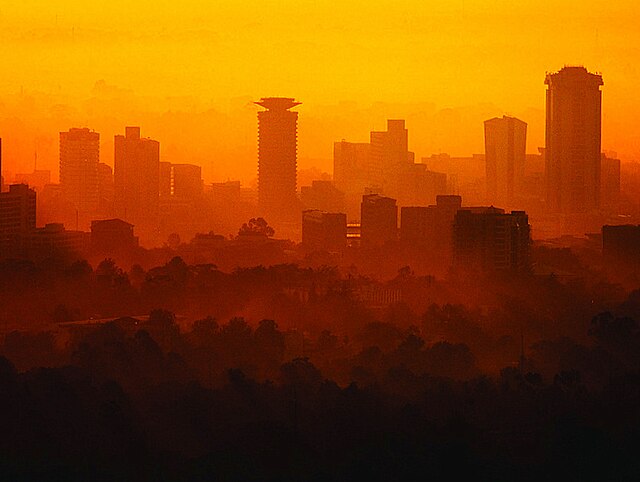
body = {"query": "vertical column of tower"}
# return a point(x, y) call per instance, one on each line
point(277, 159)
point(573, 138)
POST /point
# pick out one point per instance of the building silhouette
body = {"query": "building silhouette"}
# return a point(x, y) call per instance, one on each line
point(136, 178)
point(379, 220)
point(351, 173)
point(322, 195)
point(17, 219)
point(54, 241)
point(105, 190)
point(489, 240)
point(277, 159)
point(505, 141)
point(112, 236)
point(573, 139)
point(79, 159)
point(324, 231)
point(183, 181)
point(390, 160)
point(609, 181)
point(384, 166)
point(430, 227)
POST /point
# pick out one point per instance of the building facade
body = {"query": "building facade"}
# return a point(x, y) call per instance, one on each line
point(136, 179)
point(17, 219)
point(573, 141)
point(277, 159)
point(324, 231)
point(491, 241)
point(79, 177)
point(379, 221)
point(505, 141)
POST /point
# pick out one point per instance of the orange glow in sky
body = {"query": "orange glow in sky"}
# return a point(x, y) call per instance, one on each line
point(187, 72)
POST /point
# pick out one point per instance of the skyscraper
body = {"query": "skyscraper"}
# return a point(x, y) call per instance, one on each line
point(351, 173)
point(573, 140)
point(390, 158)
point(136, 178)
point(505, 142)
point(79, 158)
point(277, 159)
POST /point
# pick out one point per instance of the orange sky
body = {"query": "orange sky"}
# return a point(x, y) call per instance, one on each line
point(188, 74)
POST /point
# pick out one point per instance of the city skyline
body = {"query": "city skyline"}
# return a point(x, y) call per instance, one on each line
point(301, 240)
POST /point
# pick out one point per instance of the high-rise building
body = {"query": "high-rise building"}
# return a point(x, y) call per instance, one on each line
point(610, 181)
point(136, 178)
point(323, 231)
point(389, 157)
point(351, 173)
point(379, 220)
point(489, 240)
point(505, 141)
point(17, 218)
point(277, 159)
point(573, 140)
point(79, 158)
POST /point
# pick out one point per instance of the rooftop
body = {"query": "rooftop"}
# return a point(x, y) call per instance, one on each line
point(277, 103)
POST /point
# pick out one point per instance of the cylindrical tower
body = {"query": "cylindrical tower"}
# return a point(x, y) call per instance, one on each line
point(277, 159)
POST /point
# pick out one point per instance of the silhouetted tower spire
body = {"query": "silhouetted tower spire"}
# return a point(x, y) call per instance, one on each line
point(277, 158)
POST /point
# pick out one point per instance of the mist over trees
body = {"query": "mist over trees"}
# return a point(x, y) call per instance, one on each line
point(182, 371)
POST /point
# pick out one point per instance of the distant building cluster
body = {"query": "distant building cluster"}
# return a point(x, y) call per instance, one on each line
point(378, 195)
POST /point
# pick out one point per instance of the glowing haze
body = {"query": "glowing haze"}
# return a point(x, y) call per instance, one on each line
point(187, 72)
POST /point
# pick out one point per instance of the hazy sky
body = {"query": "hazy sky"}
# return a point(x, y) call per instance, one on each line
point(435, 58)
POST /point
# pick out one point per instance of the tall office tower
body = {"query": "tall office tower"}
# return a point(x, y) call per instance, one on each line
point(136, 178)
point(505, 143)
point(389, 157)
point(572, 168)
point(17, 218)
point(379, 220)
point(489, 240)
point(351, 173)
point(79, 158)
point(277, 159)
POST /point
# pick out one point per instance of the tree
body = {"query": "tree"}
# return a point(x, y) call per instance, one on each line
point(256, 227)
